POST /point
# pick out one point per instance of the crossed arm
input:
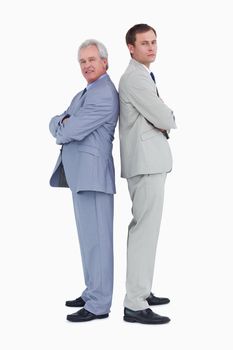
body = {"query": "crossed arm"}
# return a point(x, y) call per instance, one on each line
point(148, 104)
point(84, 121)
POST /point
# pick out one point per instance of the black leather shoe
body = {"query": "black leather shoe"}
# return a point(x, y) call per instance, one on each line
point(83, 315)
point(146, 316)
point(79, 302)
point(153, 300)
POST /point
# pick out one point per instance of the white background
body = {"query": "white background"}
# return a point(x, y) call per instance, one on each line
point(40, 260)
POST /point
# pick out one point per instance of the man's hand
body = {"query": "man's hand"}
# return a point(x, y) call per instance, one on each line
point(164, 132)
point(65, 118)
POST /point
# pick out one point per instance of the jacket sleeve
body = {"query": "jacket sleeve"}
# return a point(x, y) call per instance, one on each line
point(144, 98)
point(96, 111)
point(55, 122)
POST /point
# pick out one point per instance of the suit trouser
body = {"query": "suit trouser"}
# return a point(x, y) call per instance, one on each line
point(94, 220)
point(147, 193)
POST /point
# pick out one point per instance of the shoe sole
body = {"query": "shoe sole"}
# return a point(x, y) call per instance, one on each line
point(133, 320)
point(102, 316)
point(96, 317)
point(166, 302)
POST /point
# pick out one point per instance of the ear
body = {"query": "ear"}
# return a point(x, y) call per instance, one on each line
point(131, 48)
point(105, 61)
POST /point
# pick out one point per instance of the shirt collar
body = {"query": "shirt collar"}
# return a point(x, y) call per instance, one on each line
point(142, 65)
point(148, 70)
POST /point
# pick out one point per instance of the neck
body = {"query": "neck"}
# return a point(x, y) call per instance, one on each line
point(147, 64)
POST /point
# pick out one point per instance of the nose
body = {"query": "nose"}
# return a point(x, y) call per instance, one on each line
point(151, 47)
point(87, 65)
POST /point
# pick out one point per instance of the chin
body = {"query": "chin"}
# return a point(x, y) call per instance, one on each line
point(90, 79)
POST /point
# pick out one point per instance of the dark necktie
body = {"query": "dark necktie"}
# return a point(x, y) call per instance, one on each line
point(153, 78)
point(84, 91)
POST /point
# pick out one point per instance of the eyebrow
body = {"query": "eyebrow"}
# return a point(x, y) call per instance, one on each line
point(147, 41)
point(83, 59)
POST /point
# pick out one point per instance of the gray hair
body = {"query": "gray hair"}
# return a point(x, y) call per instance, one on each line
point(101, 48)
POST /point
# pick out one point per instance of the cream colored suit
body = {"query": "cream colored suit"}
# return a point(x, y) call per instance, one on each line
point(145, 160)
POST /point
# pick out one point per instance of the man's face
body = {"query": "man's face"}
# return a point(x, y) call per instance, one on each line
point(92, 66)
point(145, 48)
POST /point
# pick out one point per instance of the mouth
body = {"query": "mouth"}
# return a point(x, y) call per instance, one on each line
point(89, 71)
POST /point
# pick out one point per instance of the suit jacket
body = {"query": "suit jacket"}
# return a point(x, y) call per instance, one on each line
point(85, 161)
point(144, 149)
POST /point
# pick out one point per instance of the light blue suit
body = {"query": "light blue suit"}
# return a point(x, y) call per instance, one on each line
point(85, 165)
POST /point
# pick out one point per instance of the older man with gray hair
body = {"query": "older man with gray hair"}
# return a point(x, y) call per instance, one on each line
point(85, 165)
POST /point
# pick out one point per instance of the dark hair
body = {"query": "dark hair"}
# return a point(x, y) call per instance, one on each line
point(138, 28)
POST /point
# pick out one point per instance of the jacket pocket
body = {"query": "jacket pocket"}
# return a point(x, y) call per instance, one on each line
point(149, 134)
point(88, 149)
